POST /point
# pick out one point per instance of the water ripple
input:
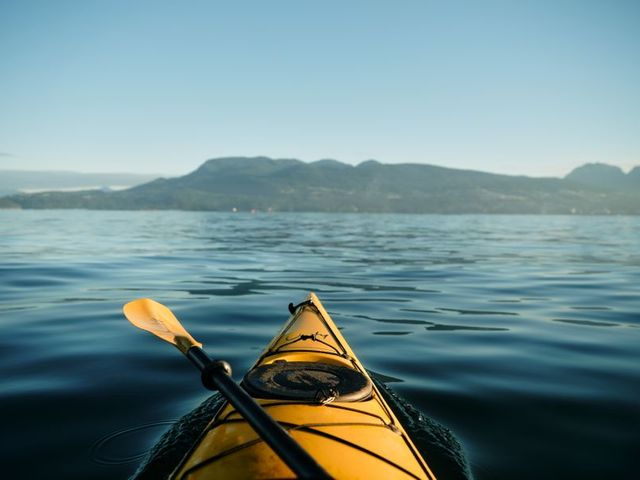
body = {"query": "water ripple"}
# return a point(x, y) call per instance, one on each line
point(108, 450)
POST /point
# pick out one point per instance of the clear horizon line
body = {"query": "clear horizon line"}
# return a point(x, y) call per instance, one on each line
point(176, 174)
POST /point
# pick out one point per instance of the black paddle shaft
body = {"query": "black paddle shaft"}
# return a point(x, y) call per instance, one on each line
point(217, 374)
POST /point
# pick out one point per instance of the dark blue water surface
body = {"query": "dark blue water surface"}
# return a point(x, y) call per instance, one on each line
point(520, 333)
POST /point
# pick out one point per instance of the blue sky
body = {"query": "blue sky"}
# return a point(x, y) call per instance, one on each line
point(517, 87)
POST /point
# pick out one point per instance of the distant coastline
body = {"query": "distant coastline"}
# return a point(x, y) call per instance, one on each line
point(27, 181)
point(289, 185)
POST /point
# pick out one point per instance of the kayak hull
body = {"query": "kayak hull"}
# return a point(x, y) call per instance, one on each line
point(310, 381)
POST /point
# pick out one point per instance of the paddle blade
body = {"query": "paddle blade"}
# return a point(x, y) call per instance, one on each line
point(154, 317)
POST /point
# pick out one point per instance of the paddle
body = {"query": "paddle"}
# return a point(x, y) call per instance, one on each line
point(154, 317)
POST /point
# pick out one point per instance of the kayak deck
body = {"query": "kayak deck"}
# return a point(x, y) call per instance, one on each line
point(310, 381)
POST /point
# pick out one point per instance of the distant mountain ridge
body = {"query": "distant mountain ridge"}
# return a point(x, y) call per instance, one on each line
point(603, 175)
point(16, 181)
point(265, 184)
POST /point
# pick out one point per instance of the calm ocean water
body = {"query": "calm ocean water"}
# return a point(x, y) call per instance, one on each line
point(520, 333)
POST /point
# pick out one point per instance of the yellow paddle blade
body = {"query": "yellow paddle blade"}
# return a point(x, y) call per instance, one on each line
point(154, 317)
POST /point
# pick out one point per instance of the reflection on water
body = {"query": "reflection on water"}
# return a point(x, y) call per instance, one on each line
point(475, 312)
point(586, 322)
point(519, 333)
point(442, 327)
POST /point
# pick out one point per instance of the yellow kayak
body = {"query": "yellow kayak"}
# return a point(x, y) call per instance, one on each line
point(310, 381)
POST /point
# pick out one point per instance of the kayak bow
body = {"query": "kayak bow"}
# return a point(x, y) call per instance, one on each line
point(309, 380)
